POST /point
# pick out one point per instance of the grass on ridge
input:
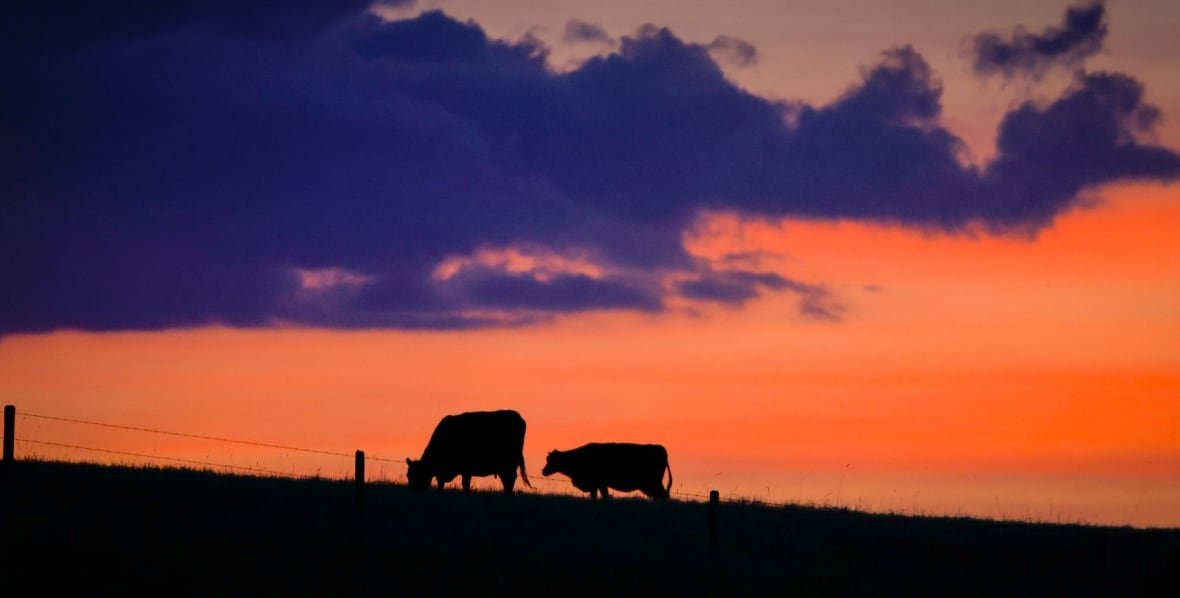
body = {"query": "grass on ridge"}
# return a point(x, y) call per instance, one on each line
point(184, 531)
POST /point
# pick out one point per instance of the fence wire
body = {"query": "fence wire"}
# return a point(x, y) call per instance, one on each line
point(563, 481)
point(204, 437)
point(162, 458)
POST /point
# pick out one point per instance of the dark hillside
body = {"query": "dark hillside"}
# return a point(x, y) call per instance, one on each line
point(170, 532)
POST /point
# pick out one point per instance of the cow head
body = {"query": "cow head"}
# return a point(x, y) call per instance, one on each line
point(417, 474)
point(552, 463)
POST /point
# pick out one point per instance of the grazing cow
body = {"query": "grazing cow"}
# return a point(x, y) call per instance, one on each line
point(595, 467)
point(479, 443)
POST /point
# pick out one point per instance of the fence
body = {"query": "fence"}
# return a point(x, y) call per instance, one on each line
point(359, 457)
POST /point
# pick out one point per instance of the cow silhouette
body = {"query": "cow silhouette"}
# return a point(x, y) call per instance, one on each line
point(597, 467)
point(478, 443)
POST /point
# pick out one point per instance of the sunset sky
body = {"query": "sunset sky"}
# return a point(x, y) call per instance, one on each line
point(909, 256)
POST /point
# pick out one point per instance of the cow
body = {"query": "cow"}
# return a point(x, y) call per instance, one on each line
point(478, 443)
point(595, 467)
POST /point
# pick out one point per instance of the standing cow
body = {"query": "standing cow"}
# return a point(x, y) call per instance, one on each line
point(479, 443)
point(595, 467)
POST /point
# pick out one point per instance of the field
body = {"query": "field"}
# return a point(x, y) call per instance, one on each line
point(94, 528)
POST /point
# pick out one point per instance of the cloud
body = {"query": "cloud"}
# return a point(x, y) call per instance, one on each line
point(1049, 154)
point(489, 290)
point(1023, 53)
point(35, 29)
point(736, 50)
point(736, 287)
point(435, 38)
point(732, 287)
point(578, 31)
point(180, 169)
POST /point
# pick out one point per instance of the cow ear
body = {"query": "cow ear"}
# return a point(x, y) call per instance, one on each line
point(409, 461)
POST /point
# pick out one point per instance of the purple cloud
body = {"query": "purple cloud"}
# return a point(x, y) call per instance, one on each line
point(176, 169)
point(733, 49)
point(1022, 53)
point(579, 31)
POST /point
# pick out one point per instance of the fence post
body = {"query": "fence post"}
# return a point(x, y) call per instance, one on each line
point(714, 499)
point(360, 481)
point(9, 438)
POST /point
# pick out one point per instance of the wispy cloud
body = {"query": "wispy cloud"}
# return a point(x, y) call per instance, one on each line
point(733, 49)
point(1080, 36)
point(579, 31)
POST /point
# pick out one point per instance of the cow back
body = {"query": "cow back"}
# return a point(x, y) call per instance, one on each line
point(620, 465)
point(476, 443)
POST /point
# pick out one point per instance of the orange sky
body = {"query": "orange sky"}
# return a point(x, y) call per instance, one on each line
point(995, 376)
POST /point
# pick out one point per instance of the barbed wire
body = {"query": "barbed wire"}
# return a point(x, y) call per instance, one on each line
point(383, 460)
point(400, 462)
point(204, 437)
point(162, 458)
point(554, 480)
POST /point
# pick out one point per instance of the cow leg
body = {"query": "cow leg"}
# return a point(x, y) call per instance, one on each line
point(594, 493)
point(605, 493)
point(509, 480)
point(441, 483)
point(466, 484)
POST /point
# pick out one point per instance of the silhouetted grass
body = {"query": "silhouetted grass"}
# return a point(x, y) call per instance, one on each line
point(176, 531)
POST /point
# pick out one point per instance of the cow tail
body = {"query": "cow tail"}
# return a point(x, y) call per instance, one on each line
point(524, 476)
point(668, 489)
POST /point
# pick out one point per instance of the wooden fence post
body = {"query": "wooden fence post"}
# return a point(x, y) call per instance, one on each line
point(714, 499)
point(360, 481)
point(9, 440)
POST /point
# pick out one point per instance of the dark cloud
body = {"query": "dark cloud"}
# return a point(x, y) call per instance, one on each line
point(563, 293)
point(736, 287)
point(733, 287)
point(821, 306)
point(1023, 53)
point(578, 31)
point(169, 173)
point(733, 49)
point(32, 29)
point(1048, 154)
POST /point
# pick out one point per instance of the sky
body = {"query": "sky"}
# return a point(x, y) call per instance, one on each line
point(902, 256)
